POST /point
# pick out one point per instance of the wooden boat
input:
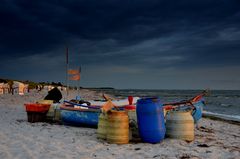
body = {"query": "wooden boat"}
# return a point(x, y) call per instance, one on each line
point(79, 116)
point(73, 113)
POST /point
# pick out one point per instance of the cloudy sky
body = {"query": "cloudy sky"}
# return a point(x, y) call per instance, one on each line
point(153, 44)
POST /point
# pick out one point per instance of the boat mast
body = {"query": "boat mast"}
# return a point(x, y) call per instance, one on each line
point(67, 83)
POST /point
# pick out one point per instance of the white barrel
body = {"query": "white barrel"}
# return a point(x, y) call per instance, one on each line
point(180, 125)
point(133, 127)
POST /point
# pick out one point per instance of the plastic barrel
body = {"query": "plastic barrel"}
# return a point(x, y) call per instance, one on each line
point(102, 126)
point(133, 127)
point(150, 118)
point(180, 125)
point(118, 127)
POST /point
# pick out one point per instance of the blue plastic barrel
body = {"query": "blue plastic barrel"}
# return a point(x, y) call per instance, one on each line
point(150, 119)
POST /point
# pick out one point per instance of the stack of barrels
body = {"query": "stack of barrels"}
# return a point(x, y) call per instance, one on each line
point(152, 126)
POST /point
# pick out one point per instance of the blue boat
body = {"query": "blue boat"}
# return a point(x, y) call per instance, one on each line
point(198, 110)
point(79, 116)
point(195, 105)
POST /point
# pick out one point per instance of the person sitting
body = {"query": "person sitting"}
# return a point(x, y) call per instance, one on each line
point(54, 94)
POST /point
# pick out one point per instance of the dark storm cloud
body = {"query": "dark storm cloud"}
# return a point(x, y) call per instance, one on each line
point(34, 25)
point(135, 33)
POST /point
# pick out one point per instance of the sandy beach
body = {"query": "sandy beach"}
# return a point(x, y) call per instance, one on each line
point(23, 140)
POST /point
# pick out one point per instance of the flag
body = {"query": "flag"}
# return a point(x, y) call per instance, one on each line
point(73, 72)
point(75, 77)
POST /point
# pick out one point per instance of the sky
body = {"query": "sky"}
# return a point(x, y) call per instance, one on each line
point(140, 44)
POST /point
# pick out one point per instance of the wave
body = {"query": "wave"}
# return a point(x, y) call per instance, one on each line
point(223, 116)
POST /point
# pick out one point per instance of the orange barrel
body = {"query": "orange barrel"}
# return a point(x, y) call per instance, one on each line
point(180, 125)
point(102, 126)
point(118, 127)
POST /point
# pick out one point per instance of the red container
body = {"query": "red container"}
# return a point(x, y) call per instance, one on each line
point(36, 112)
point(130, 107)
point(36, 107)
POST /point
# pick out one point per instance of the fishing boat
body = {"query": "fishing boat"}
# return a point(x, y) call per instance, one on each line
point(87, 113)
point(195, 105)
point(79, 116)
point(73, 113)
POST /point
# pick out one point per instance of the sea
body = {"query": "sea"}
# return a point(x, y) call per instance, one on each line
point(224, 103)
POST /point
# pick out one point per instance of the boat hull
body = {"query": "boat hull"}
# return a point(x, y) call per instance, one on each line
point(79, 117)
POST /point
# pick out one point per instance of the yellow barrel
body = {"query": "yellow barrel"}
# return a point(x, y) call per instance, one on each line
point(180, 125)
point(118, 127)
point(102, 126)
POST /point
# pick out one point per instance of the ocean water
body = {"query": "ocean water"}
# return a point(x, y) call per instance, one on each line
point(222, 102)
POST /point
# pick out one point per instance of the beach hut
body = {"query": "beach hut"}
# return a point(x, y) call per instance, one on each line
point(20, 88)
point(45, 87)
point(1, 88)
point(4, 88)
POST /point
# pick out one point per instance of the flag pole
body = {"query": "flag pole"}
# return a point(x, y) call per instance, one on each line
point(78, 87)
point(67, 83)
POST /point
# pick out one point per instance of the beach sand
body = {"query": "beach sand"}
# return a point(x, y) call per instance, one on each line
point(21, 139)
